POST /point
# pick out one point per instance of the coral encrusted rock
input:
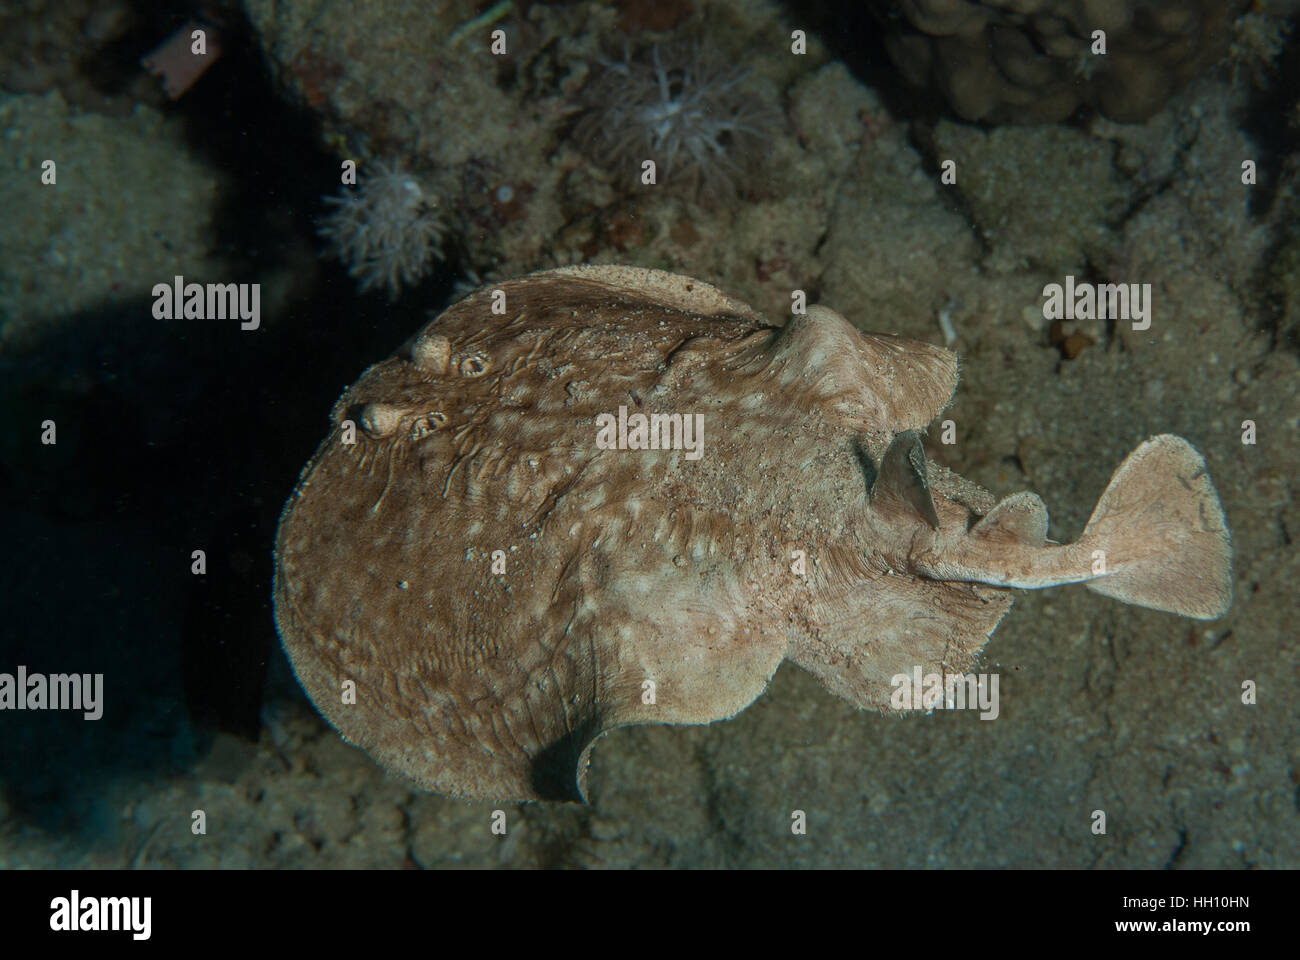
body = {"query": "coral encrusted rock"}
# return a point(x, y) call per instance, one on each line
point(1032, 61)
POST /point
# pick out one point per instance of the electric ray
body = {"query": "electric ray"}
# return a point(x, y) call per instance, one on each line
point(599, 496)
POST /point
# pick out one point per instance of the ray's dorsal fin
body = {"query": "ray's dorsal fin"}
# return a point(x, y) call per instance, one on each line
point(1019, 518)
point(915, 380)
point(878, 382)
point(902, 477)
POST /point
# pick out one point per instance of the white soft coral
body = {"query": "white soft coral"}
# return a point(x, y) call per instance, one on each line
point(689, 115)
point(388, 229)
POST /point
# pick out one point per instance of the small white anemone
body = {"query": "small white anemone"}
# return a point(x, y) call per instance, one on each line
point(387, 229)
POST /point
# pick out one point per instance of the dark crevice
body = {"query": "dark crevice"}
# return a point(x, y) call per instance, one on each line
point(1179, 848)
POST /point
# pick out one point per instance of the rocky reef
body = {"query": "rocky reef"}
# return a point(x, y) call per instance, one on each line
point(1011, 61)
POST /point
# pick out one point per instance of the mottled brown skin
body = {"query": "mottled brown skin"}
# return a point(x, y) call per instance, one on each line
point(622, 566)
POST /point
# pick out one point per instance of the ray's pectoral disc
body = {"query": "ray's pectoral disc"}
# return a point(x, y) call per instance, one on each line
point(532, 526)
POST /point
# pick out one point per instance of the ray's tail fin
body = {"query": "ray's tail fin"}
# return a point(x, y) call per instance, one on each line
point(1159, 535)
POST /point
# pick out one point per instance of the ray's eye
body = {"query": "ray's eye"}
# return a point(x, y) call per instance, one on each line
point(380, 419)
point(474, 365)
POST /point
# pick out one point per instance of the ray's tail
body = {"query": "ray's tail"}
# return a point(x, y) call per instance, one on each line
point(1157, 537)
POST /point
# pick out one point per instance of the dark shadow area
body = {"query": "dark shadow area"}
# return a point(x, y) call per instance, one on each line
point(855, 35)
point(559, 771)
point(1273, 122)
point(175, 436)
